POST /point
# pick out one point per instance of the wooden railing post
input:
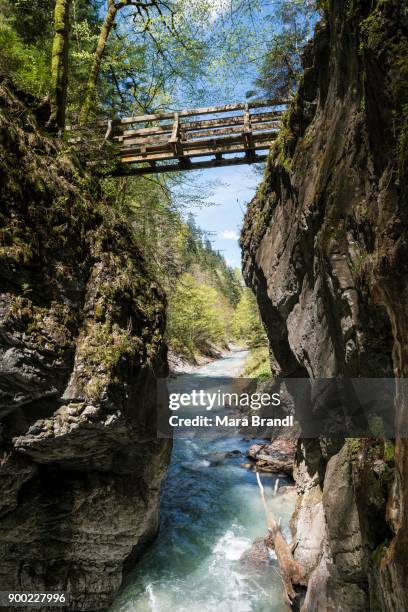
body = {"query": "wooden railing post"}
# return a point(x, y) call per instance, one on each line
point(250, 153)
point(108, 133)
point(175, 136)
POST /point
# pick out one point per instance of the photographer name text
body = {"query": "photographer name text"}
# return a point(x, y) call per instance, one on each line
point(229, 421)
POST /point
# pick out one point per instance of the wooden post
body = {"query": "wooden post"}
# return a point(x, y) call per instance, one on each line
point(175, 137)
point(250, 153)
point(108, 134)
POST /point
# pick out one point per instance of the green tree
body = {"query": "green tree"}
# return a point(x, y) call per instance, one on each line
point(246, 325)
point(59, 64)
point(162, 29)
point(25, 44)
point(292, 26)
point(197, 318)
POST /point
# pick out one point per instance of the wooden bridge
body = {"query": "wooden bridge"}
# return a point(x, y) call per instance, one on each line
point(197, 138)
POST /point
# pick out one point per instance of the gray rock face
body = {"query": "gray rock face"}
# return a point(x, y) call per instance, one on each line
point(342, 520)
point(325, 252)
point(81, 347)
point(278, 456)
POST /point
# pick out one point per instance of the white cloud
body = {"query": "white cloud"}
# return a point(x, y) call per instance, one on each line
point(228, 234)
point(231, 262)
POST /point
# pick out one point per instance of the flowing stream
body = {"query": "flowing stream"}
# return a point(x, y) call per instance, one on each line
point(211, 512)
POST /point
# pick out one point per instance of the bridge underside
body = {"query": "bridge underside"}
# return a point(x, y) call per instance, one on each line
point(182, 164)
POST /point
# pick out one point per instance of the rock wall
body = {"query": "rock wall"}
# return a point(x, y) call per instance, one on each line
point(325, 250)
point(81, 329)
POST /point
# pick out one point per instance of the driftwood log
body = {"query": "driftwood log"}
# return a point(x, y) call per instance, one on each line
point(292, 572)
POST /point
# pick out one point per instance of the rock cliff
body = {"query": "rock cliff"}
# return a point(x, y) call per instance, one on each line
point(81, 328)
point(325, 250)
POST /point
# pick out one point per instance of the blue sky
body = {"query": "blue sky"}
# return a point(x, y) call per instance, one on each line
point(236, 187)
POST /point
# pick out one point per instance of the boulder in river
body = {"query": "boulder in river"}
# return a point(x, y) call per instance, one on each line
point(258, 554)
point(277, 456)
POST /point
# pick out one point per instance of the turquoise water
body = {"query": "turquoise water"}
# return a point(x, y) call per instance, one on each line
point(210, 514)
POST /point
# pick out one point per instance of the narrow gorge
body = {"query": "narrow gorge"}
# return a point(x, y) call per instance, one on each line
point(107, 278)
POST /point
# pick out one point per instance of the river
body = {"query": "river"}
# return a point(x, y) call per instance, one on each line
point(210, 514)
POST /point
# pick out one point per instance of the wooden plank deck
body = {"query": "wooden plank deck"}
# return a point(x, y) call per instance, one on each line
point(188, 139)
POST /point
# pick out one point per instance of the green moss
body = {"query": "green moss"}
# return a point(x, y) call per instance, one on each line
point(100, 351)
point(53, 216)
point(323, 6)
point(351, 9)
point(99, 311)
point(378, 554)
point(42, 327)
point(376, 427)
point(360, 264)
point(389, 453)
point(354, 448)
point(258, 364)
point(381, 36)
point(105, 344)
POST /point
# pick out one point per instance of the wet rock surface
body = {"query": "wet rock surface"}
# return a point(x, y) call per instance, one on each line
point(259, 554)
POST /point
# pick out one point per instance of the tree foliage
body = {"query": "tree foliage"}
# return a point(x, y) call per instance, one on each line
point(181, 255)
point(246, 325)
point(23, 57)
point(197, 317)
point(144, 55)
point(281, 67)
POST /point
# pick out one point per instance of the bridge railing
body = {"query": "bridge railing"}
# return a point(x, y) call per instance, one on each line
point(196, 138)
point(210, 132)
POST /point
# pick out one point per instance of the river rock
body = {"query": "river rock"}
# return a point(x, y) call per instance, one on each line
point(258, 554)
point(278, 456)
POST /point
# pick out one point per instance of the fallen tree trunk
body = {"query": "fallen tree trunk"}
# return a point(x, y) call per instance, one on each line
point(292, 572)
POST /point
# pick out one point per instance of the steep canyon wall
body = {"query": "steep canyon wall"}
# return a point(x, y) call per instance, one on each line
point(81, 328)
point(325, 249)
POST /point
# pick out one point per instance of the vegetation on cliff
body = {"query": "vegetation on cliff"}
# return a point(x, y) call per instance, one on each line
point(139, 58)
point(82, 322)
